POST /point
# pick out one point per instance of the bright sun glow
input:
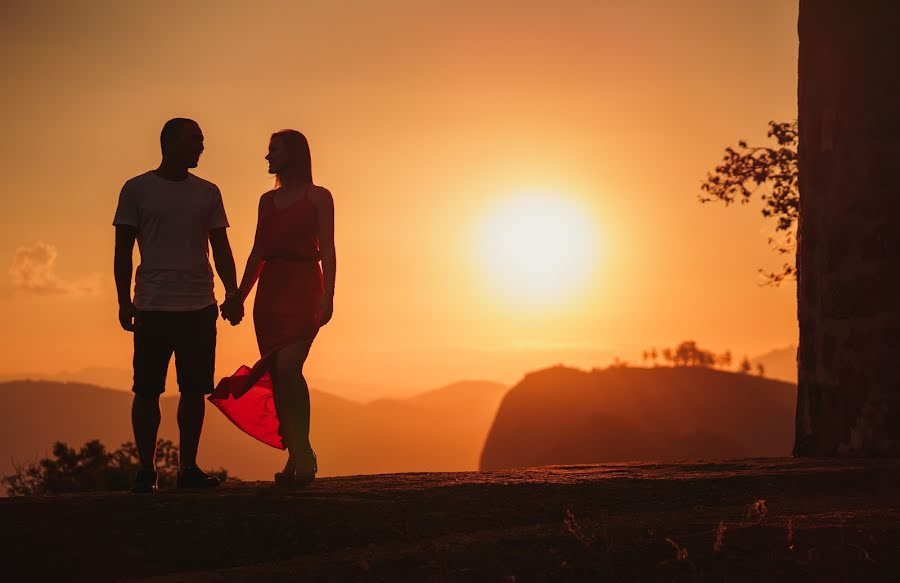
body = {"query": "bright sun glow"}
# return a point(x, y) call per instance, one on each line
point(537, 247)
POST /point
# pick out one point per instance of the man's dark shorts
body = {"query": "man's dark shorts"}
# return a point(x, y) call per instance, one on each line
point(191, 336)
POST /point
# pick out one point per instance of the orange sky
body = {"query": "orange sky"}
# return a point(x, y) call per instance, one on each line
point(421, 116)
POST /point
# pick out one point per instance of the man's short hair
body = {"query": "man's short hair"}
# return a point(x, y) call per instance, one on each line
point(171, 129)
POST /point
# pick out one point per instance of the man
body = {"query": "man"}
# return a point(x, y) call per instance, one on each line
point(175, 217)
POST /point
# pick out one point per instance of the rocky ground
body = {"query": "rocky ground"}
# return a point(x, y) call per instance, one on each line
point(745, 520)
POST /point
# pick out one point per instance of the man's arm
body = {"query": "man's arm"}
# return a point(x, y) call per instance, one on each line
point(122, 269)
point(224, 260)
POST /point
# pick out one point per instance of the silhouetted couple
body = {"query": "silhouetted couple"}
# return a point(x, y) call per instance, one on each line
point(176, 217)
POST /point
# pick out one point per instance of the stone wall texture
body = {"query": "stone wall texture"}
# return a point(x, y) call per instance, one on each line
point(849, 243)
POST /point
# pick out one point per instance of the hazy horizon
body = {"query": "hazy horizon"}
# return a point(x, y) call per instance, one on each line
point(779, 364)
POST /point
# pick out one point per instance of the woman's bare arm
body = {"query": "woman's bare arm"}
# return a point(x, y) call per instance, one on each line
point(255, 262)
point(324, 204)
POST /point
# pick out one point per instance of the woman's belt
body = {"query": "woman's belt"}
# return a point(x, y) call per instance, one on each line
point(291, 259)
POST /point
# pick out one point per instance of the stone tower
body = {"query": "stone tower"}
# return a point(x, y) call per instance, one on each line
point(849, 246)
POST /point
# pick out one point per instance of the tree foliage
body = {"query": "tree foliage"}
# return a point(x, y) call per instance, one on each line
point(771, 173)
point(689, 353)
point(91, 469)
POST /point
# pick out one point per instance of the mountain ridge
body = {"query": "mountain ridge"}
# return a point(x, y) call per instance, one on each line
point(562, 415)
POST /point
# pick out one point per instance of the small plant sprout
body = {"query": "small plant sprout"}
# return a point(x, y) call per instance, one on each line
point(585, 532)
point(681, 553)
point(720, 537)
point(758, 510)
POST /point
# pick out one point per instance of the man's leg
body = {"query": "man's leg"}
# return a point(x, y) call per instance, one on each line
point(191, 410)
point(152, 352)
point(145, 421)
point(195, 360)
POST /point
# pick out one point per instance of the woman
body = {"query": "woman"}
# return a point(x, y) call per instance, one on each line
point(294, 231)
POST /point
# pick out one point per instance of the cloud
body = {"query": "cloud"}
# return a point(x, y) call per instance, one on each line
point(33, 271)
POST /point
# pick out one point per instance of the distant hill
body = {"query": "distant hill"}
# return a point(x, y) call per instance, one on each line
point(441, 430)
point(121, 378)
point(566, 416)
point(101, 376)
point(780, 364)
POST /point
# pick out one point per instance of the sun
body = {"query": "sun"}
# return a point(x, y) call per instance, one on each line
point(537, 247)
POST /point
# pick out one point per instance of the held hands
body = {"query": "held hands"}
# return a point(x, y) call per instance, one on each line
point(233, 309)
point(326, 310)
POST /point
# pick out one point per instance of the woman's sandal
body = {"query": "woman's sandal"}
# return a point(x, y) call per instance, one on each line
point(298, 479)
point(284, 480)
point(303, 479)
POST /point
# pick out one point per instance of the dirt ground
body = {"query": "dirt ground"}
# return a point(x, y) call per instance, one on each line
point(744, 520)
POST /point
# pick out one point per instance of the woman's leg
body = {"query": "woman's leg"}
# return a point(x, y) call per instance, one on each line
point(285, 427)
point(291, 394)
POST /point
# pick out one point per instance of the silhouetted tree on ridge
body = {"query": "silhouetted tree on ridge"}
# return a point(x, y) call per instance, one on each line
point(724, 360)
point(619, 363)
point(667, 355)
point(688, 353)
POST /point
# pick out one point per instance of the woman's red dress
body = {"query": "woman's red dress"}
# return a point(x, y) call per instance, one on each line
point(286, 311)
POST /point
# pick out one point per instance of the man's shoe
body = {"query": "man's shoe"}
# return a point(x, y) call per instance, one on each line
point(195, 478)
point(145, 482)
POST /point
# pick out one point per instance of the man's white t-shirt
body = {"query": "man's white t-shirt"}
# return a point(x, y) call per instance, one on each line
point(173, 221)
